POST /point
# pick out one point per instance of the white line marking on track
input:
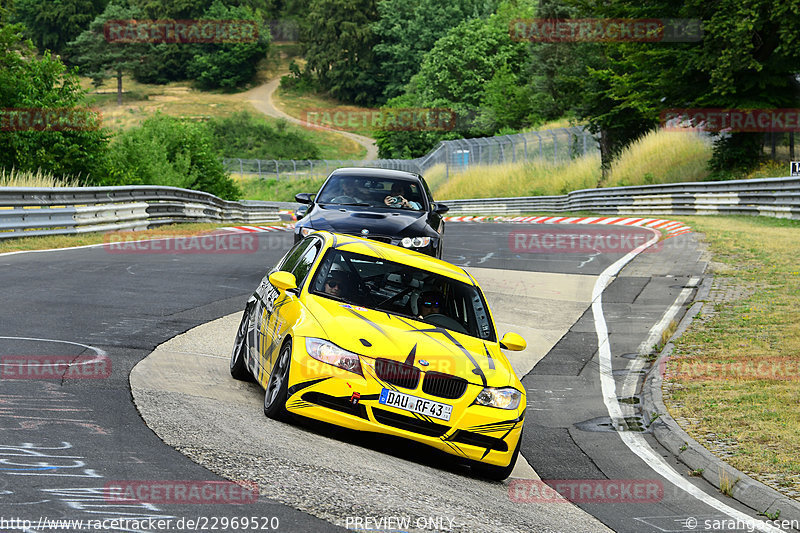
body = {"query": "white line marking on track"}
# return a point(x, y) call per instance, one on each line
point(635, 441)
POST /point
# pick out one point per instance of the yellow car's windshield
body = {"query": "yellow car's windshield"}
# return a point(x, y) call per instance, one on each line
point(392, 287)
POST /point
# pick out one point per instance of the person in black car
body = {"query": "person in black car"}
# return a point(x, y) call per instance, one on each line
point(399, 198)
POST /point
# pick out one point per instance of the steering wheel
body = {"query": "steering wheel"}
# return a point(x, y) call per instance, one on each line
point(438, 319)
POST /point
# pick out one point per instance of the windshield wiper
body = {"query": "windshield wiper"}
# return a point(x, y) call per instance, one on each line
point(356, 204)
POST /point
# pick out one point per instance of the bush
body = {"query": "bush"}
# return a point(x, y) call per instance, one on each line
point(249, 136)
point(168, 151)
point(31, 82)
point(227, 66)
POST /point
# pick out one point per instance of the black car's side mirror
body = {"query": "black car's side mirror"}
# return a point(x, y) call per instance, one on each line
point(440, 208)
point(303, 197)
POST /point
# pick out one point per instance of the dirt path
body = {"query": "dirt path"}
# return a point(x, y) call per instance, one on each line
point(261, 98)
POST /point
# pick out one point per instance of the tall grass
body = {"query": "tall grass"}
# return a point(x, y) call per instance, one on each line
point(17, 178)
point(658, 157)
point(661, 157)
point(537, 178)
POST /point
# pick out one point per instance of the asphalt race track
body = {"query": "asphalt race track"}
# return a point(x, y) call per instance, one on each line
point(65, 441)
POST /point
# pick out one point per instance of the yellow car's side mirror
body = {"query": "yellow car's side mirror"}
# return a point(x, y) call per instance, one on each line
point(284, 281)
point(512, 341)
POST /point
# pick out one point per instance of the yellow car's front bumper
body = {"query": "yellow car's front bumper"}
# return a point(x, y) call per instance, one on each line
point(323, 392)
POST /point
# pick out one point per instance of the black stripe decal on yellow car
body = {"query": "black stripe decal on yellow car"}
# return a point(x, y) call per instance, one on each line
point(368, 321)
point(410, 359)
point(300, 386)
point(454, 447)
point(495, 424)
point(489, 355)
point(476, 370)
point(425, 331)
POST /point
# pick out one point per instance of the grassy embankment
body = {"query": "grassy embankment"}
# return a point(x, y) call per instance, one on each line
point(660, 157)
point(734, 378)
point(180, 99)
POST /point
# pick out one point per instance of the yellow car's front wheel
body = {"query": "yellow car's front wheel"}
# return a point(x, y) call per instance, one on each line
point(278, 385)
point(238, 366)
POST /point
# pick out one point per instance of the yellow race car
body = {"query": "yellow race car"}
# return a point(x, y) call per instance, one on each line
point(373, 337)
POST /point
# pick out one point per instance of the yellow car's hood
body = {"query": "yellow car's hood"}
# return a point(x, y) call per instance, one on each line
point(379, 334)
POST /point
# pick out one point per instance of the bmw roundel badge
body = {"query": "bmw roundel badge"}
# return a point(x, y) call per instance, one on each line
point(365, 231)
point(423, 362)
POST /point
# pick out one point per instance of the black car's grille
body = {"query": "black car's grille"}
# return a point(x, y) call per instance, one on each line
point(381, 238)
point(476, 439)
point(444, 385)
point(408, 423)
point(399, 374)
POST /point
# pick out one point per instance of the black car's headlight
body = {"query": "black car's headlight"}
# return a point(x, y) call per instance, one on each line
point(327, 352)
point(415, 242)
point(501, 398)
point(305, 230)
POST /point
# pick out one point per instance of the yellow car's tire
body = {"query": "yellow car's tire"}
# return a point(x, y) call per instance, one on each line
point(497, 473)
point(238, 368)
point(278, 385)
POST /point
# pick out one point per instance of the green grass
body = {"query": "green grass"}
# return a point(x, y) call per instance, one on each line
point(736, 372)
point(281, 190)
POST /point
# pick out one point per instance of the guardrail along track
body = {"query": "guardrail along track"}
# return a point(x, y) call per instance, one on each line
point(775, 197)
point(26, 211)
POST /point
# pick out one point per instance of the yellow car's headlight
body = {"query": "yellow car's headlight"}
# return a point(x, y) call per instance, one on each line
point(503, 398)
point(327, 352)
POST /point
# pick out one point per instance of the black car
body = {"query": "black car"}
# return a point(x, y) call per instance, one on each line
point(390, 206)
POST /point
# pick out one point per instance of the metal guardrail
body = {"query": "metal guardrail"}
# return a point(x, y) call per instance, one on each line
point(57, 211)
point(26, 211)
point(775, 197)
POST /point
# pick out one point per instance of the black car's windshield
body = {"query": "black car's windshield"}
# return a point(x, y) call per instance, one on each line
point(399, 289)
point(372, 192)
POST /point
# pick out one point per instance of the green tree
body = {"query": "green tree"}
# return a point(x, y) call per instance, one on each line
point(100, 59)
point(475, 56)
point(338, 39)
point(408, 29)
point(748, 58)
point(52, 25)
point(168, 151)
point(28, 82)
point(228, 65)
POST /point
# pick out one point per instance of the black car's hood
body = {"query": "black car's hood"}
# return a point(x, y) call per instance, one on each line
point(352, 219)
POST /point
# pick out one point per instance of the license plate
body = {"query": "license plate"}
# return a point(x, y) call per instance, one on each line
point(415, 405)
